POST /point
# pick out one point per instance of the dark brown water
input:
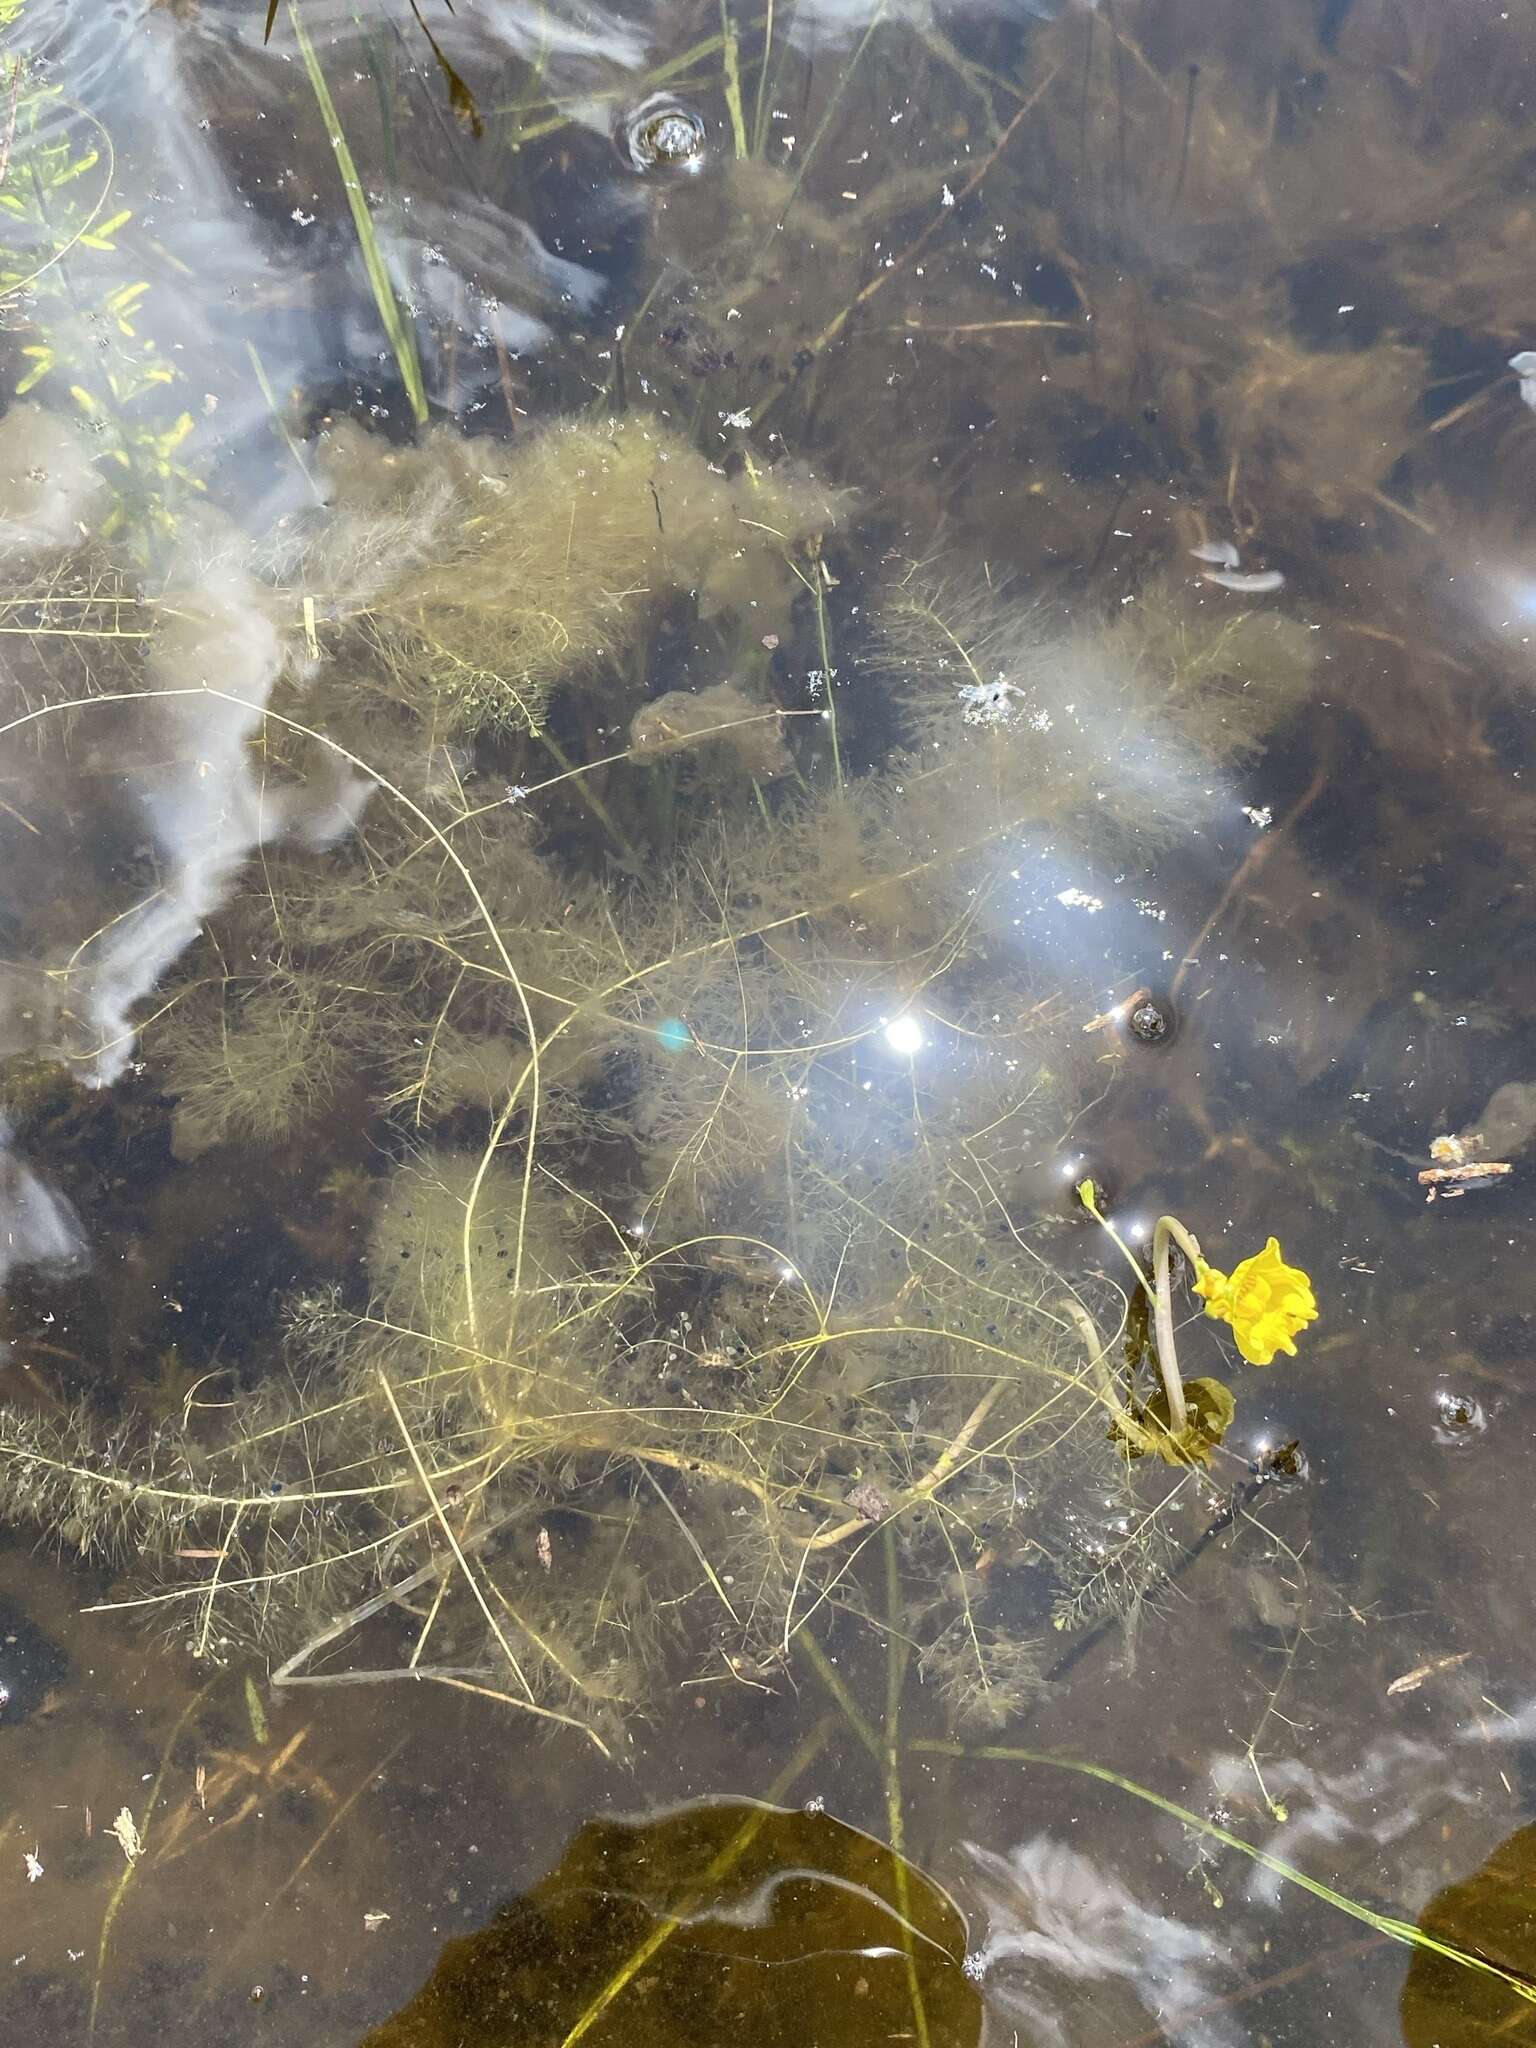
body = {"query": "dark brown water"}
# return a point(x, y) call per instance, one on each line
point(661, 673)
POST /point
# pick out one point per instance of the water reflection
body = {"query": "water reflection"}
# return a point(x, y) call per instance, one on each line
point(1061, 1931)
point(40, 1228)
point(604, 778)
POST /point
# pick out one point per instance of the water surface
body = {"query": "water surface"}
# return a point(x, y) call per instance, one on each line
point(662, 671)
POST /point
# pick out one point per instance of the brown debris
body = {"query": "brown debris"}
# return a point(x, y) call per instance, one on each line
point(1451, 1181)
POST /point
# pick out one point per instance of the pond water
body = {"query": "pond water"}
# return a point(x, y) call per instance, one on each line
point(696, 702)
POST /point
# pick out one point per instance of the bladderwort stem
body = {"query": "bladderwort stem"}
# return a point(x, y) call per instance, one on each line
point(1170, 1231)
point(1098, 1366)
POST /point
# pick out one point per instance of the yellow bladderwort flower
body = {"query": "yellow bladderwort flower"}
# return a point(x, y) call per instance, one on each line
point(1265, 1300)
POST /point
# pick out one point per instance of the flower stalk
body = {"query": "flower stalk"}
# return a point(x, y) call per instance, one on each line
point(1265, 1301)
point(1170, 1231)
point(1158, 1290)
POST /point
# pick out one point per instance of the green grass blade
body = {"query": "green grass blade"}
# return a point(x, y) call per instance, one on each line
point(401, 339)
point(732, 55)
point(279, 423)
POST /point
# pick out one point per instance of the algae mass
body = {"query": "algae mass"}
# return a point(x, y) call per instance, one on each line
point(669, 1277)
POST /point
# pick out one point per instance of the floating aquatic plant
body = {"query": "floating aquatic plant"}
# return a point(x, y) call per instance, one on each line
point(711, 1917)
point(1266, 1302)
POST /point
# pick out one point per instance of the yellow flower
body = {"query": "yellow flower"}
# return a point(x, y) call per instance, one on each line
point(1265, 1300)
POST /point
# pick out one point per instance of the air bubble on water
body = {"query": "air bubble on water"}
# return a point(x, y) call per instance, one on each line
point(1458, 1416)
point(1151, 1020)
point(662, 134)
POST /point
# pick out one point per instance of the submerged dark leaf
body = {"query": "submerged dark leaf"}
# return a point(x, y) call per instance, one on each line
point(720, 1921)
point(1491, 1915)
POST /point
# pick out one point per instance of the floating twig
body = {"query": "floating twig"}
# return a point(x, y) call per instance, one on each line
point(1412, 1680)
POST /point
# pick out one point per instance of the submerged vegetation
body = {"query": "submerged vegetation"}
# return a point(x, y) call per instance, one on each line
point(90, 335)
point(598, 881)
point(498, 572)
point(697, 1242)
point(695, 704)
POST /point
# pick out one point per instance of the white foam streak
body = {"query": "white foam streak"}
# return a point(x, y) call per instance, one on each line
point(37, 1226)
point(201, 799)
point(1058, 1922)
